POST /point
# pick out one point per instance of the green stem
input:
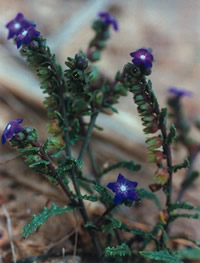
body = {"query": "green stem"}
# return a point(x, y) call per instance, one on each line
point(87, 138)
point(54, 173)
point(62, 109)
point(68, 152)
point(167, 151)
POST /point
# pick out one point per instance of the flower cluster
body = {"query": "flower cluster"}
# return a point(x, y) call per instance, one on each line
point(108, 19)
point(134, 76)
point(124, 189)
point(179, 92)
point(22, 30)
point(12, 128)
point(17, 135)
point(142, 58)
point(101, 27)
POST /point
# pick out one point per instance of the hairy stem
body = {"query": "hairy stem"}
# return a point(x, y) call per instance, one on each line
point(54, 173)
point(87, 138)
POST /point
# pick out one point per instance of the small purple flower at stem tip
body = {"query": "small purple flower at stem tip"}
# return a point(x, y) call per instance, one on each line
point(179, 92)
point(108, 19)
point(11, 129)
point(123, 189)
point(142, 57)
point(17, 24)
point(26, 35)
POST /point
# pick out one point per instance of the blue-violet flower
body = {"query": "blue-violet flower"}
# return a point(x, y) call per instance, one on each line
point(17, 24)
point(142, 57)
point(108, 19)
point(123, 189)
point(11, 129)
point(179, 92)
point(26, 35)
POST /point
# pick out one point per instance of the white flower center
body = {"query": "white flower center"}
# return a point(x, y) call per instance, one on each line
point(8, 127)
point(143, 57)
point(123, 188)
point(24, 33)
point(17, 25)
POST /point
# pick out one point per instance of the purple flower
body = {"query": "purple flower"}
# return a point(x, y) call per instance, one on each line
point(11, 129)
point(17, 24)
point(142, 57)
point(26, 35)
point(179, 92)
point(123, 189)
point(108, 19)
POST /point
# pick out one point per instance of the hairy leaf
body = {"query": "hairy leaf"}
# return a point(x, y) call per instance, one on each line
point(177, 167)
point(39, 163)
point(119, 251)
point(183, 205)
point(40, 219)
point(172, 134)
point(29, 150)
point(130, 165)
point(163, 256)
point(105, 196)
point(86, 197)
point(135, 231)
point(176, 216)
point(143, 193)
point(192, 253)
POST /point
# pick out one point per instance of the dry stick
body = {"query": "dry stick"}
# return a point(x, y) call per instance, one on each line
point(10, 233)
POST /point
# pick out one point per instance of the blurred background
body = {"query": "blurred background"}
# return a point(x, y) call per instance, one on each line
point(170, 28)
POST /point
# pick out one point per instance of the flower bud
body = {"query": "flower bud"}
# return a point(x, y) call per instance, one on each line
point(155, 156)
point(154, 142)
point(151, 128)
point(81, 61)
point(161, 176)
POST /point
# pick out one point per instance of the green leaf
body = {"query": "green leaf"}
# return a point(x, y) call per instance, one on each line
point(39, 163)
point(172, 134)
point(29, 150)
point(46, 145)
point(110, 224)
point(135, 231)
point(119, 251)
point(40, 219)
point(143, 193)
point(176, 216)
point(192, 253)
point(56, 155)
point(163, 256)
point(183, 205)
point(105, 196)
point(130, 165)
point(86, 197)
point(163, 115)
point(179, 166)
